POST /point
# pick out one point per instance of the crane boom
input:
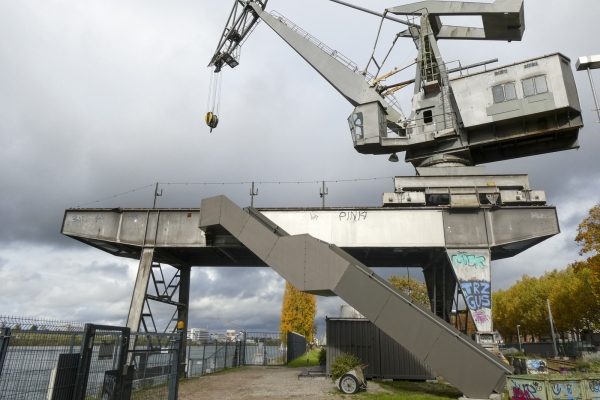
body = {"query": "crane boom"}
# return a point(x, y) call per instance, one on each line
point(349, 82)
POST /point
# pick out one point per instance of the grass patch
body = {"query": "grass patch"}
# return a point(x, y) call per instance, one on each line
point(313, 360)
point(410, 391)
point(420, 390)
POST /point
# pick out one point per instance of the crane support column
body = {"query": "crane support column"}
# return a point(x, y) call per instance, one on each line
point(139, 291)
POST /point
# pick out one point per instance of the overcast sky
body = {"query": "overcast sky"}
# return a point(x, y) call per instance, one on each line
point(101, 97)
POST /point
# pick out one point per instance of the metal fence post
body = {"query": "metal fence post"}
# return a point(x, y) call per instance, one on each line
point(87, 348)
point(122, 361)
point(189, 359)
point(225, 361)
point(244, 350)
point(174, 381)
point(4, 339)
point(203, 369)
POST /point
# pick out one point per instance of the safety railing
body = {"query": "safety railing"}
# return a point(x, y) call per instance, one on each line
point(391, 99)
point(55, 360)
point(255, 348)
point(211, 358)
point(333, 53)
point(154, 357)
point(36, 353)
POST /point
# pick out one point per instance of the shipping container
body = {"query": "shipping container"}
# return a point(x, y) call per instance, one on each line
point(386, 359)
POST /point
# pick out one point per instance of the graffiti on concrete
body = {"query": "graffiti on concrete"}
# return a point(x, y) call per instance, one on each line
point(477, 294)
point(535, 367)
point(526, 390)
point(480, 317)
point(564, 389)
point(473, 272)
point(594, 386)
point(463, 259)
point(353, 215)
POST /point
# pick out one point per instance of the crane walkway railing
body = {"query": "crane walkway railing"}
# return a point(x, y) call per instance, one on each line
point(333, 53)
point(391, 99)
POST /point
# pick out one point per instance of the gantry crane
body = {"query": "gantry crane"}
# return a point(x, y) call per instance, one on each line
point(513, 111)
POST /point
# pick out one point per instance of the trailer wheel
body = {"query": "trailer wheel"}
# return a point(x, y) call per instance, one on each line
point(349, 384)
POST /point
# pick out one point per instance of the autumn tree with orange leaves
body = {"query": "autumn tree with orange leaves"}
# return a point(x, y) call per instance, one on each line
point(298, 312)
point(574, 293)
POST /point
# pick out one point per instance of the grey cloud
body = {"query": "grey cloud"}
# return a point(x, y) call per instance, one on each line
point(102, 98)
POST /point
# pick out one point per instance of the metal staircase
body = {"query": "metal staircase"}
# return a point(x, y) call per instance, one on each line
point(321, 268)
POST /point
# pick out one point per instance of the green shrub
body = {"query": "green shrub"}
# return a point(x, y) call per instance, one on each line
point(582, 364)
point(322, 355)
point(342, 364)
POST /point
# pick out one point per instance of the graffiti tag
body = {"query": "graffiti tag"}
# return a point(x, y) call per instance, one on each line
point(480, 317)
point(477, 294)
point(536, 367)
point(109, 387)
point(594, 386)
point(558, 388)
point(463, 259)
point(313, 216)
point(353, 215)
point(525, 391)
point(78, 218)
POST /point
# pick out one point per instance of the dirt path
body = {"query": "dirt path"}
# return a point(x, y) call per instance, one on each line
point(261, 382)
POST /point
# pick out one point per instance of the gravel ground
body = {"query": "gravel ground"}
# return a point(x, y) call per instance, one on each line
point(261, 382)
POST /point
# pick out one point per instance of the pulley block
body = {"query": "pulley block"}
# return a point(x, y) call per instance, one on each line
point(211, 120)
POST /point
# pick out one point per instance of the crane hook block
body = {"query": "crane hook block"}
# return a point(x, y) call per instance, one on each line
point(211, 120)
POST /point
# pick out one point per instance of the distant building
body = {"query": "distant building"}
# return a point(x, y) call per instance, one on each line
point(231, 335)
point(199, 335)
point(219, 337)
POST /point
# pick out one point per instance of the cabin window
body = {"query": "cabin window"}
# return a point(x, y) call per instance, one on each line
point(428, 116)
point(528, 87)
point(510, 91)
point(356, 126)
point(498, 92)
point(533, 86)
point(540, 84)
point(504, 93)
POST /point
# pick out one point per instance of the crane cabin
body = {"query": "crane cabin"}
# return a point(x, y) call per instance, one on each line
point(518, 110)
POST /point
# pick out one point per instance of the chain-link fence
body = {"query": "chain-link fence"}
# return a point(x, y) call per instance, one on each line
point(214, 357)
point(38, 358)
point(155, 359)
point(266, 348)
point(251, 348)
point(55, 360)
point(546, 349)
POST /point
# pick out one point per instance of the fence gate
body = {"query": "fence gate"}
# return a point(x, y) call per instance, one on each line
point(38, 358)
point(50, 360)
point(103, 356)
point(154, 358)
point(263, 348)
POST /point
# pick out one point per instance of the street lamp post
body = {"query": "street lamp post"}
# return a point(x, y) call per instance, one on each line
point(590, 63)
point(519, 337)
